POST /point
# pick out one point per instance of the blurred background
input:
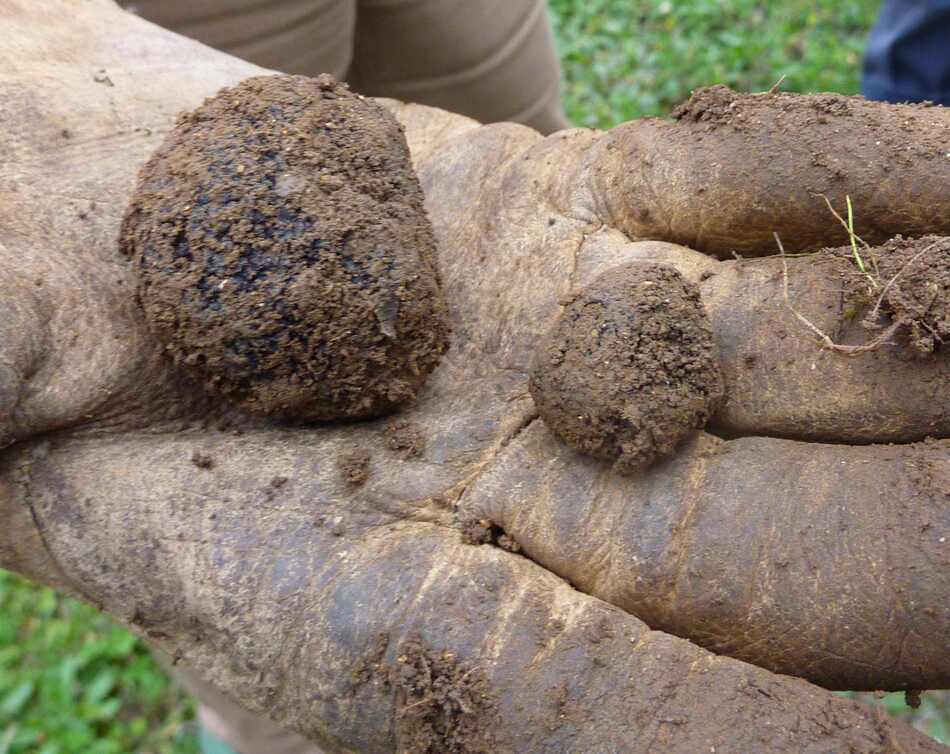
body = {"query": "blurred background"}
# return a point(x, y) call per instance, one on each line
point(72, 682)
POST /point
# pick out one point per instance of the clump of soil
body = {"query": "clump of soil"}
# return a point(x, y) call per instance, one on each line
point(442, 706)
point(284, 254)
point(910, 293)
point(481, 531)
point(405, 438)
point(630, 368)
point(354, 466)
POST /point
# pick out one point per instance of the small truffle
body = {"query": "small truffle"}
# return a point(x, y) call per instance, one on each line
point(284, 255)
point(630, 368)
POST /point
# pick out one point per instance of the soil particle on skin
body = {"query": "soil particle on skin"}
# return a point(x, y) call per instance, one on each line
point(406, 438)
point(284, 255)
point(202, 460)
point(370, 666)
point(630, 368)
point(442, 705)
point(929, 469)
point(720, 107)
point(476, 531)
point(910, 289)
point(481, 531)
point(353, 466)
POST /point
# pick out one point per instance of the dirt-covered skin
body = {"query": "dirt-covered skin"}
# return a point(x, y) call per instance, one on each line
point(284, 594)
point(733, 168)
point(775, 366)
point(284, 254)
point(630, 367)
point(906, 288)
point(343, 589)
point(740, 546)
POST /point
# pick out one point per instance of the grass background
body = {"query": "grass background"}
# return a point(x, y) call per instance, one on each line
point(71, 682)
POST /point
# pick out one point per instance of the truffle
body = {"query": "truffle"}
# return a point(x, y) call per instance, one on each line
point(283, 252)
point(630, 368)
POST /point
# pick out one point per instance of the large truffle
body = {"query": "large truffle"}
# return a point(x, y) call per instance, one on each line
point(630, 368)
point(283, 251)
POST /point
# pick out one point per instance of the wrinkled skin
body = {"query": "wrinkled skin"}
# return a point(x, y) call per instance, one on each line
point(826, 561)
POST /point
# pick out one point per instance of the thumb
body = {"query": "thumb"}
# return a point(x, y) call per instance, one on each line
point(24, 338)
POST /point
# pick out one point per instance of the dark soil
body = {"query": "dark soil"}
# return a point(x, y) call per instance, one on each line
point(442, 706)
point(630, 368)
point(202, 460)
point(354, 466)
point(284, 253)
point(481, 531)
point(405, 438)
point(911, 281)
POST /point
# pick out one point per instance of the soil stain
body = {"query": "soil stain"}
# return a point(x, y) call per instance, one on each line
point(354, 466)
point(406, 438)
point(202, 460)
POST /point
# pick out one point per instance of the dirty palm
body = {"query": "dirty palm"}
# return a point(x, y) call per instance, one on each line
point(351, 608)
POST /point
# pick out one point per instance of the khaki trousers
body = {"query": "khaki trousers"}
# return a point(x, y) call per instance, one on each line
point(493, 60)
point(243, 731)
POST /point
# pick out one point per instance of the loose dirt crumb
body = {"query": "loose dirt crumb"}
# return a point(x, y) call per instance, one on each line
point(101, 76)
point(202, 460)
point(481, 531)
point(476, 531)
point(406, 438)
point(442, 706)
point(278, 481)
point(354, 466)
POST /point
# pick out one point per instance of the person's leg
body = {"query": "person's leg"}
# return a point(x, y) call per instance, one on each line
point(908, 53)
point(294, 36)
point(227, 728)
point(493, 60)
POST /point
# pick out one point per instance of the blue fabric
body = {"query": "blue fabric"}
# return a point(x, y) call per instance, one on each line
point(908, 53)
point(211, 744)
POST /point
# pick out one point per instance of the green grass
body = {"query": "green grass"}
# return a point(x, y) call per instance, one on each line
point(71, 682)
point(625, 59)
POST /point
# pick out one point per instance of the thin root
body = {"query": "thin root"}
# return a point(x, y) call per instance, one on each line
point(826, 341)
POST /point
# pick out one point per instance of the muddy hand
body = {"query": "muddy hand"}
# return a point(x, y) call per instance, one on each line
point(320, 575)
